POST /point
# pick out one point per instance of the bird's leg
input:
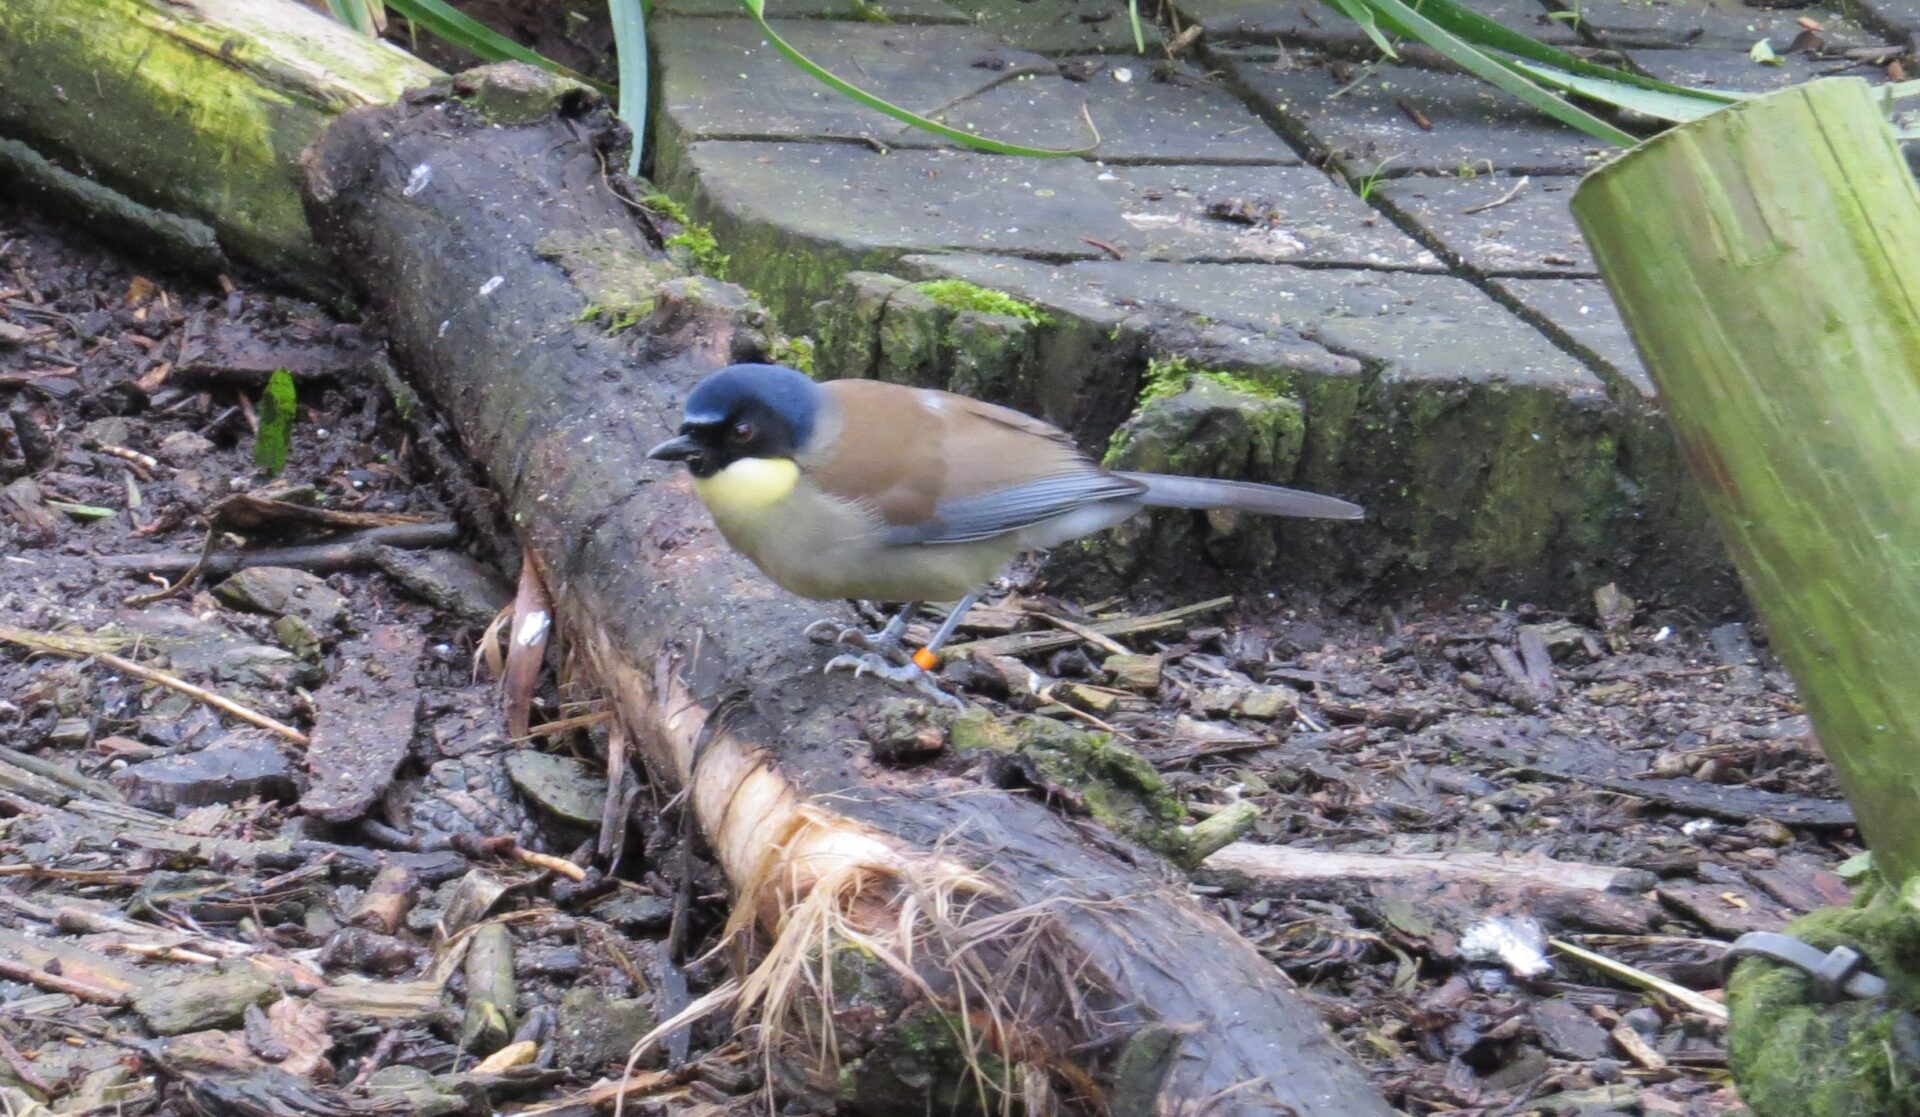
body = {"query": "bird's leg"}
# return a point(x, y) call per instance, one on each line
point(917, 672)
point(887, 640)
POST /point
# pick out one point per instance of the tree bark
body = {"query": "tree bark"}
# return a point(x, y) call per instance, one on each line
point(1086, 967)
point(197, 108)
point(1763, 260)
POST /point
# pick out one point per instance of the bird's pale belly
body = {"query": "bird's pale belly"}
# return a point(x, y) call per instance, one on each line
point(816, 546)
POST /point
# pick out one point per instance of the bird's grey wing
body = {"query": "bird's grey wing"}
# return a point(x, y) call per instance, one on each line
point(985, 515)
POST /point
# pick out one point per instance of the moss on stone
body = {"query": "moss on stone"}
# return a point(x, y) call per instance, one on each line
point(1212, 424)
point(615, 319)
point(695, 243)
point(1794, 1057)
point(1169, 376)
point(794, 352)
point(666, 207)
point(958, 294)
point(1118, 788)
point(701, 249)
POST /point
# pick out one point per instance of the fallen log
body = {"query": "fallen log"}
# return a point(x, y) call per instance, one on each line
point(1067, 973)
point(193, 107)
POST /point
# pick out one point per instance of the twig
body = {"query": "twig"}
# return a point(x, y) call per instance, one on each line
point(160, 950)
point(179, 585)
point(1045, 694)
point(549, 862)
point(1024, 643)
point(23, 1069)
point(1501, 200)
point(341, 554)
point(132, 457)
point(1105, 643)
point(613, 814)
point(225, 705)
point(565, 725)
point(1641, 979)
point(79, 921)
point(57, 983)
point(628, 1086)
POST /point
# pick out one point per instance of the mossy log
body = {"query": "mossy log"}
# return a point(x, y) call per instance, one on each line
point(1763, 260)
point(196, 108)
point(1079, 971)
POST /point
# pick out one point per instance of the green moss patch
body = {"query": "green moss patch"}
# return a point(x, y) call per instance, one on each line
point(1118, 788)
point(619, 278)
point(958, 294)
point(1169, 376)
point(794, 352)
point(1793, 1057)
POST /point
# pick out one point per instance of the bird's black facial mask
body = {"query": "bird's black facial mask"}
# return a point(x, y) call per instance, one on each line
point(745, 411)
point(754, 430)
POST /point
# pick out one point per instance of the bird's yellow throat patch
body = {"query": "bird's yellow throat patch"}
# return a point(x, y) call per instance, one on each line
point(748, 486)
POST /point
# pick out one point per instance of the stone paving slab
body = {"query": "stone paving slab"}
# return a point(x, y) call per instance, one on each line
point(1479, 448)
point(859, 11)
point(1370, 127)
point(719, 78)
point(1063, 26)
point(1144, 111)
point(1294, 23)
point(1407, 327)
point(1585, 312)
point(1736, 72)
point(1628, 24)
point(1899, 16)
point(1495, 224)
point(857, 207)
point(1437, 324)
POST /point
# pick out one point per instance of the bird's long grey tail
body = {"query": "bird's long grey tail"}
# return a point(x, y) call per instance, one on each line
point(1166, 491)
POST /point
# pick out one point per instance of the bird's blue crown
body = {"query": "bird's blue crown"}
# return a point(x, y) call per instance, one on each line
point(786, 392)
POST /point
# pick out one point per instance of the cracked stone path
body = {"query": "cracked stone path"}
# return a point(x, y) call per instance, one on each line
point(1279, 260)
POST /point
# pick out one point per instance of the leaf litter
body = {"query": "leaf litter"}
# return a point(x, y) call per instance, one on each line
point(200, 913)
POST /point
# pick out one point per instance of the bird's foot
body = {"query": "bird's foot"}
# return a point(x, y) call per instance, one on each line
point(909, 674)
point(829, 631)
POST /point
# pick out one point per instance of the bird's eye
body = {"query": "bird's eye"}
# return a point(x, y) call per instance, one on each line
point(742, 433)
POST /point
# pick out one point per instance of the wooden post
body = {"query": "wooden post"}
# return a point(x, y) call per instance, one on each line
point(1767, 261)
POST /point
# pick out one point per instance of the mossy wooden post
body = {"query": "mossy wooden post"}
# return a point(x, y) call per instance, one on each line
point(1767, 261)
point(195, 107)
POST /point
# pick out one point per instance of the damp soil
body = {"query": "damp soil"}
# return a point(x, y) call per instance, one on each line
point(295, 913)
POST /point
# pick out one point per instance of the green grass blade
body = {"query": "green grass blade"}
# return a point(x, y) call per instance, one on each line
point(354, 14)
point(1661, 105)
point(1486, 33)
point(630, 44)
point(83, 511)
point(1139, 33)
point(275, 438)
point(1363, 15)
point(757, 9)
point(1404, 20)
point(443, 21)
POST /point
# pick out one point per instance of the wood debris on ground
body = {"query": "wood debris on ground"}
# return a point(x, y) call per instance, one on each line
point(407, 911)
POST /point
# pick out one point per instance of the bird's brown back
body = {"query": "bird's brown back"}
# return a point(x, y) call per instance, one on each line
point(901, 463)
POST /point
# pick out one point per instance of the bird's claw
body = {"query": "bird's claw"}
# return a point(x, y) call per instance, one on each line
point(828, 631)
point(906, 674)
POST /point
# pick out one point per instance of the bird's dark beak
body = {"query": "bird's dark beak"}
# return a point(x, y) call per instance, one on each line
point(676, 449)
